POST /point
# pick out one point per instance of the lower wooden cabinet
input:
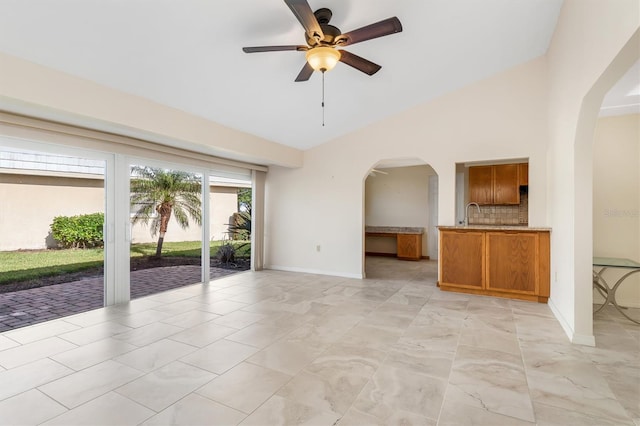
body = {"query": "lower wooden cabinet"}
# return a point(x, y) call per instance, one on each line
point(461, 259)
point(409, 246)
point(511, 264)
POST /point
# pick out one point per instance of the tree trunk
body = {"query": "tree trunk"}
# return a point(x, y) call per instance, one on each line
point(164, 210)
point(159, 246)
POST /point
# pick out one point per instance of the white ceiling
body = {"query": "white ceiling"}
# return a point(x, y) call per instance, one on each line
point(624, 97)
point(188, 54)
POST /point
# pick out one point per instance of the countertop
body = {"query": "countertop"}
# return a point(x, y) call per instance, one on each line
point(394, 229)
point(497, 228)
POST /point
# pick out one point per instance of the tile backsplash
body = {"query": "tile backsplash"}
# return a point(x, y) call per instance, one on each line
point(502, 215)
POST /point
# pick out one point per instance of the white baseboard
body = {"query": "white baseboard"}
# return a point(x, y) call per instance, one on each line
point(313, 271)
point(583, 339)
point(578, 339)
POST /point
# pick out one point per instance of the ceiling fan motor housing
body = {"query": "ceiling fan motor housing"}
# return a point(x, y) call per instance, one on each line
point(331, 33)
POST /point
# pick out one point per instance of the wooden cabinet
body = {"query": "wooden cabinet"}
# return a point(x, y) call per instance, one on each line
point(409, 246)
point(523, 174)
point(481, 184)
point(514, 264)
point(461, 259)
point(512, 260)
point(497, 184)
point(506, 187)
point(408, 240)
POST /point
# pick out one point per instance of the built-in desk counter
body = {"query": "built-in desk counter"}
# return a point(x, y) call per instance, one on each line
point(408, 239)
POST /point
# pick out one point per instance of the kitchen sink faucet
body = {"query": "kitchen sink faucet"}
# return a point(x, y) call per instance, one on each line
point(466, 210)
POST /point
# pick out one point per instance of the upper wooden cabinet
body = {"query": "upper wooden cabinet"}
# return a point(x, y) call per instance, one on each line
point(481, 184)
point(499, 184)
point(523, 174)
point(506, 187)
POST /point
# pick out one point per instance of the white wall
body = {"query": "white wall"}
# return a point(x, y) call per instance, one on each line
point(322, 203)
point(616, 199)
point(588, 53)
point(399, 198)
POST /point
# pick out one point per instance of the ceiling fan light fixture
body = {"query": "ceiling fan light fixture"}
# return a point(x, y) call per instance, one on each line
point(323, 58)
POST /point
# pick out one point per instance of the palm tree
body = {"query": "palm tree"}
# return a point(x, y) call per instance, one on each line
point(165, 192)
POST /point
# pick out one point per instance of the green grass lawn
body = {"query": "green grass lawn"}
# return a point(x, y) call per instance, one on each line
point(18, 266)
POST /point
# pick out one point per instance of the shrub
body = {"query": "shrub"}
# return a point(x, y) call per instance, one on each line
point(81, 231)
point(226, 253)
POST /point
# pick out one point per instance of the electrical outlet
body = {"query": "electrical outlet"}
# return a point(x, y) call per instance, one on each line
point(318, 248)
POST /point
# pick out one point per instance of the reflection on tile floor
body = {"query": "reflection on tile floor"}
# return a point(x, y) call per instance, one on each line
point(286, 348)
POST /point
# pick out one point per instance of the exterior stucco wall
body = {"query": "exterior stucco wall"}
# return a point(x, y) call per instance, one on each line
point(29, 203)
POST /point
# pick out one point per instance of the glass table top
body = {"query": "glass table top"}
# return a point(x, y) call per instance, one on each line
point(617, 262)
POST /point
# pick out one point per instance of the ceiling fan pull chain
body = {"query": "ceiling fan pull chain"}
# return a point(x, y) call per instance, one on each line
point(322, 98)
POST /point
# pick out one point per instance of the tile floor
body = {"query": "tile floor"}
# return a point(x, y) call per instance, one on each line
point(274, 348)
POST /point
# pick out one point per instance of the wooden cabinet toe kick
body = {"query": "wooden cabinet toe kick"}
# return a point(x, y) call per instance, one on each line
point(505, 294)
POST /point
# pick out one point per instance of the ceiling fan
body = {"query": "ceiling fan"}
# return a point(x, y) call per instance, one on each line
point(323, 40)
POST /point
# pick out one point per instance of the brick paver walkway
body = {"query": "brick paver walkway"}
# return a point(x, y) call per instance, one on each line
point(27, 307)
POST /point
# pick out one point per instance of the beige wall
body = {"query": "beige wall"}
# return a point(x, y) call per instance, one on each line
point(399, 198)
point(322, 203)
point(29, 204)
point(616, 198)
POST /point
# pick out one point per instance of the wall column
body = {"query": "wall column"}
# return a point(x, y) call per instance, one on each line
point(257, 219)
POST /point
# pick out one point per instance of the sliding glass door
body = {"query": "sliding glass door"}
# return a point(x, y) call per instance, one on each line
point(52, 242)
point(166, 210)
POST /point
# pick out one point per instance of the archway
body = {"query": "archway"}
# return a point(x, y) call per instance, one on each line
point(583, 184)
point(400, 193)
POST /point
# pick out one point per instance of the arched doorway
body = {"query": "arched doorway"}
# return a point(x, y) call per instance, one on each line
point(400, 193)
point(583, 184)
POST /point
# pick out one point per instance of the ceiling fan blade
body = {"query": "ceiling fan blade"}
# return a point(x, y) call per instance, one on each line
point(305, 15)
point(273, 48)
point(379, 171)
point(305, 72)
point(379, 29)
point(359, 63)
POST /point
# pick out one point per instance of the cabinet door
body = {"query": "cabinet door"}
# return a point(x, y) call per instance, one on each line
point(512, 262)
point(481, 184)
point(409, 246)
point(462, 259)
point(523, 174)
point(506, 188)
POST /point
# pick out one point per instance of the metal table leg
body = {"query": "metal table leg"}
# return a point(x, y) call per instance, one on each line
point(609, 293)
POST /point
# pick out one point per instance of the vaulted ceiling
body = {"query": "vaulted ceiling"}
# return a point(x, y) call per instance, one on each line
point(188, 55)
